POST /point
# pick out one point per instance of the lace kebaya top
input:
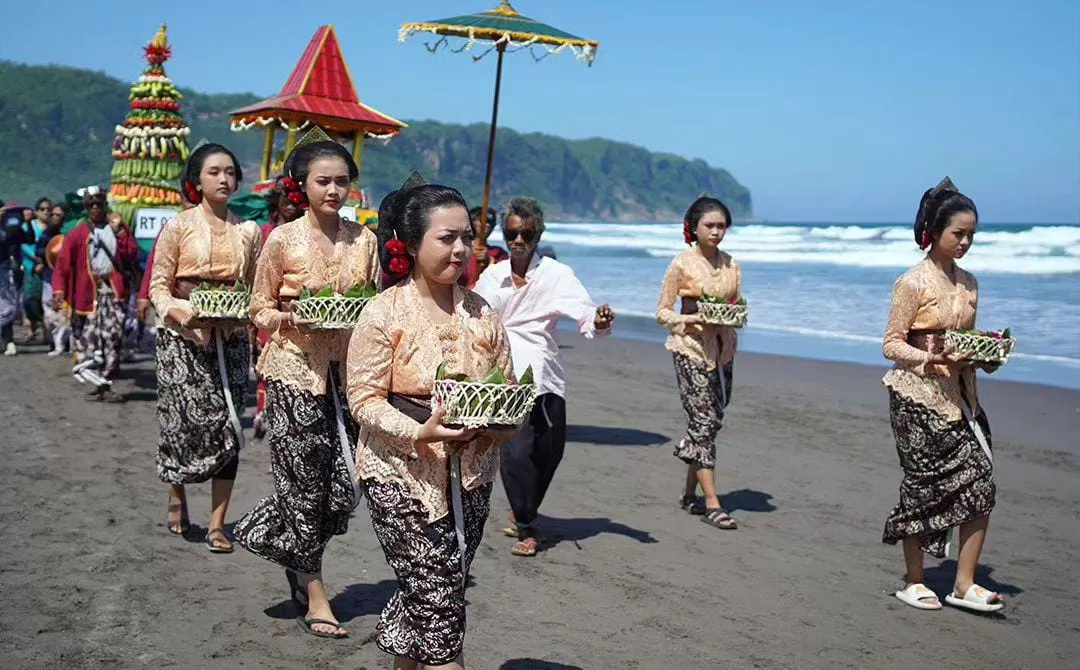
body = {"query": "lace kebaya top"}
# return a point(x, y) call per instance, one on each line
point(290, 262)
point(189, 248)
point(397, 348)
point(715, 345)
point(925, 298)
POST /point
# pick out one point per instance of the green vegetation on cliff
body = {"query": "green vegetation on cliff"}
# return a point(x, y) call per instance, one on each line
point(56, 131)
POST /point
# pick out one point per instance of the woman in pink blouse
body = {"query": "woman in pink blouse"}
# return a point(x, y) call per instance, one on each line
point(314, 492)
point(202, 369)
point(942, 435)
point(704, 354)
point(404, 453)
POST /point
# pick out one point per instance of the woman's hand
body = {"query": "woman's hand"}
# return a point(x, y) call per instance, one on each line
point(142, 309)
point(182, 315)
point(604, 316)
point(693, 324)
point(432, 430)
point(292, 319)
point(952, 360)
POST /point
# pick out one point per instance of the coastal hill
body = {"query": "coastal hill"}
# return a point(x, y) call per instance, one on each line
point(56, 130)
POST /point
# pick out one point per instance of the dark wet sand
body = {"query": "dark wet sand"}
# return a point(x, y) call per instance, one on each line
point(90, 578)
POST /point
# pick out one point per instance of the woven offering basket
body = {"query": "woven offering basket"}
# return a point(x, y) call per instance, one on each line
point(221, 304)
point(985, 348)
point(476, 405)
point(334, 312)
point(723, 314)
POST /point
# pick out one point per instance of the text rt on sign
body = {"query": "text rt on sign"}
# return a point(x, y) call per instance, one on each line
point(148, 222)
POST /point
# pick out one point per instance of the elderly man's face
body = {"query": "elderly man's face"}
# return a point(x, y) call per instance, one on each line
point(521, 236)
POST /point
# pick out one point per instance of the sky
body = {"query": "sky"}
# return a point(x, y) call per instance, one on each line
point(830, 110)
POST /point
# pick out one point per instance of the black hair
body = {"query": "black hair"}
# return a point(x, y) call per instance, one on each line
point(299, 162)
point(41, 200)
point(404, 214)
point(936, 209)
point(195, 162)
point(474, 213)
point(699, 208)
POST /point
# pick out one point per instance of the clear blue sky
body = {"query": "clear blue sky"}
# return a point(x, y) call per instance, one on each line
point(834, 110)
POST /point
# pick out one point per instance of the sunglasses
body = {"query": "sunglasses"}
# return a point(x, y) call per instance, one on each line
point(527, 236)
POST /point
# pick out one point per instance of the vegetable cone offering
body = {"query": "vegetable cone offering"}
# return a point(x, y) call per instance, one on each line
point(151, 144)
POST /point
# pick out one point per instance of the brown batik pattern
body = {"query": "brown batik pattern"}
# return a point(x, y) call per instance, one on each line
point(704, 403)
point(313, 485)
point(948, 479)
point(425, 618)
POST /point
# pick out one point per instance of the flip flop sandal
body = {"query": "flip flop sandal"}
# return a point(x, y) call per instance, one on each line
point(528, 551)
point(691, 505)
point(510, 531)
point(977, 599)
point(180, 527)
point(306, 625)
point(718, 518)
point(214, 547)
point(916, 594)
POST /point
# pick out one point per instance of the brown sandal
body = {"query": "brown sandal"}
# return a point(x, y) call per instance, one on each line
point(182, 526)
point(718, 518)
point(222, 546)
point(528, 544)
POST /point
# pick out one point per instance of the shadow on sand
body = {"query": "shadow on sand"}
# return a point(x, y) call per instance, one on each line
point(940, 578)
point(613, 436)
point(535, 664)
point(355, 601)
point(556, 530)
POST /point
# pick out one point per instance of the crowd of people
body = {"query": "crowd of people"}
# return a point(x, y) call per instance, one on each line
point(348, 415)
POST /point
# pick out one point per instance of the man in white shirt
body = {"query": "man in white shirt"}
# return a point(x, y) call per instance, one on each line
point(531, 293)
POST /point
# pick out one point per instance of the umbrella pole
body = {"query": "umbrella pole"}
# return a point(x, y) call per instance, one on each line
point(483, 233)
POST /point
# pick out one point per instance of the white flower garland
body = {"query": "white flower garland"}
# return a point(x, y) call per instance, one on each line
point(239, 126)
point(152, 131)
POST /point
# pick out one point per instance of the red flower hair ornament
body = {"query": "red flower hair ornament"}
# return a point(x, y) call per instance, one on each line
point(688, 237)
point(400, 261)
point(291, 188)
point(924, 242)
point(193, 195)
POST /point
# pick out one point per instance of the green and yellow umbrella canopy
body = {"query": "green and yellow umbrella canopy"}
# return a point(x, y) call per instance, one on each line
point(503, 25)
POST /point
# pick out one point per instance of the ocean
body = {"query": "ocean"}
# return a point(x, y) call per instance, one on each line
point(820, 290)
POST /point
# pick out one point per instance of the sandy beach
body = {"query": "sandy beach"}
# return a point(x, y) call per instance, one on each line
point(806, 462)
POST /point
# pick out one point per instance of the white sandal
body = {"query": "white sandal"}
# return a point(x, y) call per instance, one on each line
point(913, 593)
point(977, 599)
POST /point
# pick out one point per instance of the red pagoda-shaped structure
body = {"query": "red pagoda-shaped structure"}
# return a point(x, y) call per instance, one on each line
point(320, 91)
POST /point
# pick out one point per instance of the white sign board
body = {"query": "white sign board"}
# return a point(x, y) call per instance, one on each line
point(148, 222)
point(347, 212)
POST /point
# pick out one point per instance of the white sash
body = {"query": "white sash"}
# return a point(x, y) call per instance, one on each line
point(234, 418)
point(459, 509)
point(980, 437)
point(343, 439)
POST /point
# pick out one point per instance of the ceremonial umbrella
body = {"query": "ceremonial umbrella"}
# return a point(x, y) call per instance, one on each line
point(502, 27)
